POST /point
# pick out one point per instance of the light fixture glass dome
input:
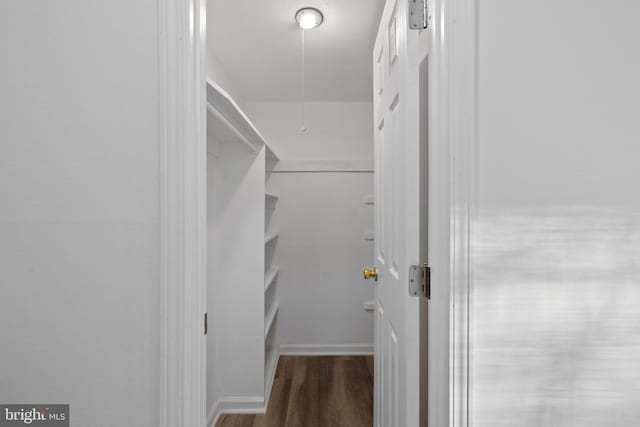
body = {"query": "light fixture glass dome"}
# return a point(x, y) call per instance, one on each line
point(308, 18)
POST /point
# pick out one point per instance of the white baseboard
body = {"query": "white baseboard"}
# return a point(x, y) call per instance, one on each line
point(214, 414)
point(241, 404)
point(235, 405)
point(326, 350)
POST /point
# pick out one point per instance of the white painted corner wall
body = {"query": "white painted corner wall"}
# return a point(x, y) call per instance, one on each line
point(324, 224)
point(321, 251)
point(336, 130)
point(218, 73)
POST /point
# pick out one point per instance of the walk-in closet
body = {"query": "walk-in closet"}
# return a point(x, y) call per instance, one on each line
point(290, 206)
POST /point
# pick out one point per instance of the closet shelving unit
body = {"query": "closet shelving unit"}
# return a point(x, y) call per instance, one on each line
point(270, 279)
point(241, 249)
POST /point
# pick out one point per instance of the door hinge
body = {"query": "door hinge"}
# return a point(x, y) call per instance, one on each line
point(420, 281)
point(418, 14)
point(206, 323)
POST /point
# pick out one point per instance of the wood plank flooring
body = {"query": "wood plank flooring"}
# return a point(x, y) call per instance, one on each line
point(323, 391)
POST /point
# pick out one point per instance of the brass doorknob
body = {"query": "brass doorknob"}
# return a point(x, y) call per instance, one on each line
point(368, 273)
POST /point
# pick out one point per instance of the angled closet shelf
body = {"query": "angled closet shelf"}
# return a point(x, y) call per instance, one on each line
point(270, 276)
point(270, 236)
point(228, 123)
point(271, 317)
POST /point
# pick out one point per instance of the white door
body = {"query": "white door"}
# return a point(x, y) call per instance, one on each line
point(397, 217)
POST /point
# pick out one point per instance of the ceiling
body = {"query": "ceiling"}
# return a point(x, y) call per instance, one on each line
point(259, 45)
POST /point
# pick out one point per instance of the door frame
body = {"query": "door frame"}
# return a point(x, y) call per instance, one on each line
point(182, 205)
point(451, 48)
point(460, 37)
point(182, 191)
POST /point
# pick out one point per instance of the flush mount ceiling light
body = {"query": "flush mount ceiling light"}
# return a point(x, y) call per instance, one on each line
point(309, 18)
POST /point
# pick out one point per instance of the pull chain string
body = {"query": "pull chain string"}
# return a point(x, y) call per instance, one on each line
point(303, 128)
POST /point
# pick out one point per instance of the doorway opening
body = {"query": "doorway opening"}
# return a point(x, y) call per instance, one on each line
point(290, 214)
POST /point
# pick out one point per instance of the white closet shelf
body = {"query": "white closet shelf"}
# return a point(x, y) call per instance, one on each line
point(270, 276)
point(270, 236)
point(270, 318)
point(271, 360)
point(271, 156)
point(228, 123)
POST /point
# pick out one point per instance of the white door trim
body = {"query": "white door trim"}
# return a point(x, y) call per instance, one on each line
point(462, 86)
point(182, 170)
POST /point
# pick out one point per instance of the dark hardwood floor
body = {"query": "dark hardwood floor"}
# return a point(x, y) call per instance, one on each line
point(324, 391)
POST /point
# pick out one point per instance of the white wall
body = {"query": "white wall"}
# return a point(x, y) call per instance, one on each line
point(557, 227)
point(336, 130)
point(217, 73)
point(322, 219)
point(321, 252)
point(79, 220)
point(215, 69)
